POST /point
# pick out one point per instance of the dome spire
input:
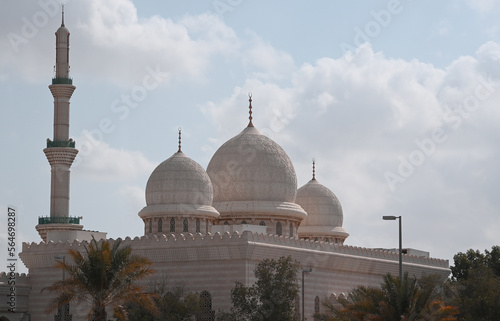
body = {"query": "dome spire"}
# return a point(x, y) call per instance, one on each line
point(314, 170)
point(62, 21)
point(250, 109)
point(179, 151)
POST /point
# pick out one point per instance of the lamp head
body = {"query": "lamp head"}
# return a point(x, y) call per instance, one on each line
point(389, 218)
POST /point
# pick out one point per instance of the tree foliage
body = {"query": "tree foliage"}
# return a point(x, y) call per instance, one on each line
point(476, 278)
point(271, 298)
point(102, 276)
point(465, 262)
point(173, 304)
point(395, 300)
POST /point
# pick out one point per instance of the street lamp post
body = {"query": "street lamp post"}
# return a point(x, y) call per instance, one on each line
point(304, 271)
point(392, 218)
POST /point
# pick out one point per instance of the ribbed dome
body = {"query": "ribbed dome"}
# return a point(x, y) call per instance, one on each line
point(251, 166)
point(251, 173)
point(179, 185)
point(324, 212)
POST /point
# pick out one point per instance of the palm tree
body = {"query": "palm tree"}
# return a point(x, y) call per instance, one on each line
point(103, 276)
point(396, 300)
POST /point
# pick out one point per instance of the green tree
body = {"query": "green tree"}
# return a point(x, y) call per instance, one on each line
point(395, 300)
point(173, 304)
point(271, 298)
point(476, 280)
point(464, 262)
point(103, 276)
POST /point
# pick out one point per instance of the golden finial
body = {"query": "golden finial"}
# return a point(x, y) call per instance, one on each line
point(250, 109)
point(180, 129)
point(314, 169)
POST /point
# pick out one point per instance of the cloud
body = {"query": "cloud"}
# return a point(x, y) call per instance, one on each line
point(110, 36)
point(364, 114)
point(484, 6)
point(135, 197)
point(98, 161)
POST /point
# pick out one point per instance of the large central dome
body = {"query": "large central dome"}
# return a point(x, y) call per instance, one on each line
point(251, 166)
point(253, 179)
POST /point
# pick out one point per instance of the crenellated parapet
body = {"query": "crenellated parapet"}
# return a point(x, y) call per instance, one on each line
point(175, 247)
point(21, 278)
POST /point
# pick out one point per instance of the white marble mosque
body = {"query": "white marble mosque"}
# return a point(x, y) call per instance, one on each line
point(207, 229)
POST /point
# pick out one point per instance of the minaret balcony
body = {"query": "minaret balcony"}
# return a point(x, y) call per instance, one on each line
point(58, 220)
point(60, 143)
point(62, 81)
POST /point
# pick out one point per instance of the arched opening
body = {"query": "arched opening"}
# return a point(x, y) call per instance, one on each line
point(172, 225)
point(316, 308)
point(160, 225)
point(279, 229)
point(206, 306)
point(185, 225)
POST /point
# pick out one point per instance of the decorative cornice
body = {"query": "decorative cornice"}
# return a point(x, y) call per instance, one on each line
point(62, 90)
point(60, 155)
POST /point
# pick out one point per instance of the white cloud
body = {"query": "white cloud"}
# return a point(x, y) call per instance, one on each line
point(115, 45)
point(271, 63)
point(135, 198)
point(359, 115)
point(484, 6)
point(99, 162)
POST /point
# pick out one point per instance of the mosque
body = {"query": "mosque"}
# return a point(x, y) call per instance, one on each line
point(207, 229)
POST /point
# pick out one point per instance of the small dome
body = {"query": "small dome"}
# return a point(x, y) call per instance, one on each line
point(179, 185)
point(324, 212)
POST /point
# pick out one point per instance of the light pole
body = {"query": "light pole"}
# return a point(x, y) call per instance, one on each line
point(392, 218)
point(304, 271)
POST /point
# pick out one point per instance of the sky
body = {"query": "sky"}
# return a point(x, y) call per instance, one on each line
point(398, 101)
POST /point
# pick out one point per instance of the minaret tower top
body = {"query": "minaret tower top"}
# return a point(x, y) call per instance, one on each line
point(62, 50)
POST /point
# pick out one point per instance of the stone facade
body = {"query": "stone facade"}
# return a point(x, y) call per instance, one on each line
point(214, 263)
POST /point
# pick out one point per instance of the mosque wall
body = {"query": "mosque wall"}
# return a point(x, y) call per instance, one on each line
point(214, 263)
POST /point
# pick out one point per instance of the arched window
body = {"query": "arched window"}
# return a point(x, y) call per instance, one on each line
point(316, 307)
point(198, 225)
point(279, 229)
point(150, 225)
point(172, 225)
point(160, 225)
point(226, 223)
point(262, 223)
point(62, 313)
point(185, 225)
point(291, 229)
point(327, 240)
point(206, 306)
point(244, 222)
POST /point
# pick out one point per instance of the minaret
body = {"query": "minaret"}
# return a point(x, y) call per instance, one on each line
point(61, 150)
